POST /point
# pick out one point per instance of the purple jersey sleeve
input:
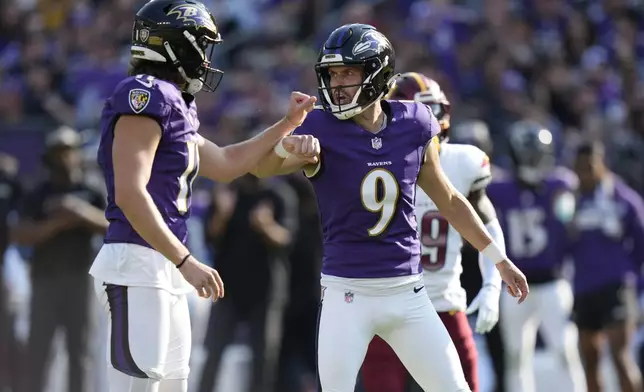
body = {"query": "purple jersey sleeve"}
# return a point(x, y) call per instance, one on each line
point(309, 127)
point(428, 122)
point(141, 95)
point(635, 223)
point(567, 178)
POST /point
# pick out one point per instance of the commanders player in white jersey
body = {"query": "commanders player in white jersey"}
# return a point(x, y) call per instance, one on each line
point(468, 168)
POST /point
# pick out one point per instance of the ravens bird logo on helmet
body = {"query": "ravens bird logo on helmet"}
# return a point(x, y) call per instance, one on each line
point(418, 87)
point(360, 46)
point(180, 33)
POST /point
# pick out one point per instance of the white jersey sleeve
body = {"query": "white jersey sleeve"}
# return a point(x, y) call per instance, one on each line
point(468, 169)
point(478, 167)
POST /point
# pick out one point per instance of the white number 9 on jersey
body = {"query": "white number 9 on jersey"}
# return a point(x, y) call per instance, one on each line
point(379, 193)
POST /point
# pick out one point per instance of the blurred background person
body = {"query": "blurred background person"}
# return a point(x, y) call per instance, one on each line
point(248, 224)
point(608, 250)
point(297, 368)
point(10, 346)
point(476, 133)
point(535, 203)
point(58, 220)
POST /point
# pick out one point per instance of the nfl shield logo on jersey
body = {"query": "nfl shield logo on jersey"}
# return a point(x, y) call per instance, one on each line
point(348, 297)
point(376, 143)
point(139, 99)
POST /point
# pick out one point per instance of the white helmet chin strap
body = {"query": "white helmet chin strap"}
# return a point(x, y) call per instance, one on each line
point(194, 85)
point(355, 108)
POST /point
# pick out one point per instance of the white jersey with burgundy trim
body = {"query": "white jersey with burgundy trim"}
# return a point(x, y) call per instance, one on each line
point(468, 169)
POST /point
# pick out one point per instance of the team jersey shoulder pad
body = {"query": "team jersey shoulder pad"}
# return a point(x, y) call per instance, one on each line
point(420, 116)
point(476, 163)
point(427, 122)
point(314, 121)
point(564, 178)
point(144, 95)
point(499, 181)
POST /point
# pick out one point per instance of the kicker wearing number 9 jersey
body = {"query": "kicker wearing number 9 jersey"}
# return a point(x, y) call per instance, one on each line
point(365, 156)
point(468, 169)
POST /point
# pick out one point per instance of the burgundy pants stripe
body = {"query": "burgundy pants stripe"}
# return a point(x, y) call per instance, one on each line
point(382, 371)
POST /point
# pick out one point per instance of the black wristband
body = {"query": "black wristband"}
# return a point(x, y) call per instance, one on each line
point(184, 260)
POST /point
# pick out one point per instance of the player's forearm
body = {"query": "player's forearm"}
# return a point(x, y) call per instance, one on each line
point(270, 165)
point(94, 219)
point(489, 272)
point(274, 165)
point(276, 235)
point(33, 233)
point(247, 156)
point(145, 218)
point(461, 215)
point(217, 225)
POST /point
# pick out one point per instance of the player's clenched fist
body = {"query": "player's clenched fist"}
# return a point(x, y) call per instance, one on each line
point(299, 106)
point(517, 284)
point(203, 278)
point(306, 147)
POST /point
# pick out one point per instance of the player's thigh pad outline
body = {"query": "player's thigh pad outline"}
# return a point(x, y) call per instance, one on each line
point(423, 344)
point(346, 326)
point(149, 334)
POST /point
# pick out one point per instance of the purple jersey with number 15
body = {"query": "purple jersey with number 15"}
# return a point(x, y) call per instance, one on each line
point(366, 188)
point(176, 161)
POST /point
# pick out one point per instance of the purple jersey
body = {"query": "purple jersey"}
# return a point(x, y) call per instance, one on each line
point(366, 188)
point(608, 244)
point(176, 161)
point(535, 237)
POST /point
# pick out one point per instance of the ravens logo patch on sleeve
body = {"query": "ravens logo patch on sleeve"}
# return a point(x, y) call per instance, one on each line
point(139, 99)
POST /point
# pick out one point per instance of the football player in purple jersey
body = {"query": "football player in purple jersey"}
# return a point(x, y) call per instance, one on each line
point(365, 159)
point(150, 153)
point(607, 248)
point(535, 203)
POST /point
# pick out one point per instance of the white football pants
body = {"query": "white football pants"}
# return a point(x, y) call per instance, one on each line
point(549, 305)
point(148, 340)
point(404, 318)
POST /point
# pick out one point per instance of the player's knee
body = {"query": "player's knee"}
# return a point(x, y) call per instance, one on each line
point(516, 359)
point(135, 370)
point(156, 371)
point(621, 357)
point(180, 373)
point(139, 366)
point(154, 374)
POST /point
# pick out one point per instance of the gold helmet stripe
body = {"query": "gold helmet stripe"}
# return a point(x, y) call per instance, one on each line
point(419, 80)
